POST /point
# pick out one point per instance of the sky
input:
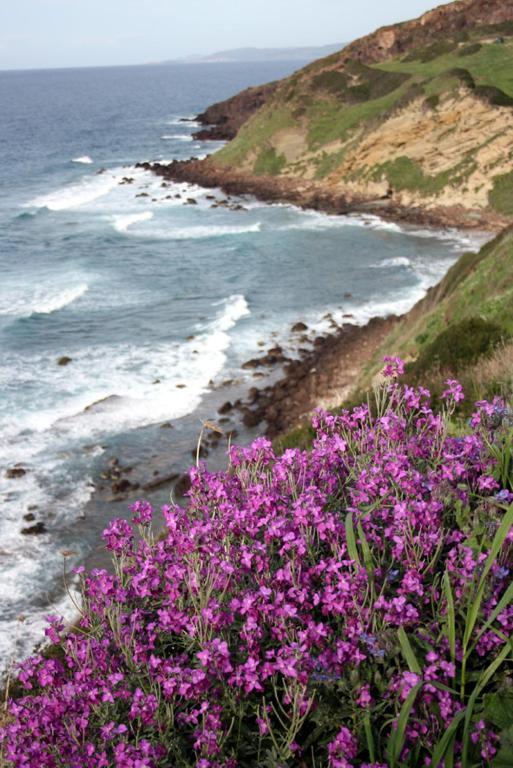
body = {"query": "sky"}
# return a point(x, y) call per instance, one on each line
point(76, 33)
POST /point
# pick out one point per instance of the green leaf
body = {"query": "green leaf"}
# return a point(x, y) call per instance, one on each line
point(503, 603)
point(504, 757)
point(446, 742)
point(451, 616)
point(396, 741)
point(367, 556)
point(498, 710)
point(498, 541)
point(408, 652)
point(351, 540)
point(483, 681)
point(369, 736)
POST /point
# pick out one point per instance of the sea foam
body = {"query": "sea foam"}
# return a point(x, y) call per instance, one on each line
point(43, 301)
point(83, 160)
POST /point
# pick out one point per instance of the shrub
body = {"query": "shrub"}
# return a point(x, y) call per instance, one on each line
point(469, 50)
point(457, 347)
point(268, 162)
point(501, 195)
point(348, 606)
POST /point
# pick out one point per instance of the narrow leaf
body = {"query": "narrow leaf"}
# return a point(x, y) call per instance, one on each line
point(396, 741)
point(351, 540)
point(408, 652)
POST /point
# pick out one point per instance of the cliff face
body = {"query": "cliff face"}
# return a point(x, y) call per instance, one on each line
point(449, 19)
point(226, 117)
point(416, 115)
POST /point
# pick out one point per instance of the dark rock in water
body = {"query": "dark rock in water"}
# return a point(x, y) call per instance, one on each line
point(29, 517)
point(142, 194)
point(34, 530)
point(203, 452)
point(253, 394)
point(252, 419)
point(210, 197)
point(224, 420)
point(160, 481)
point(13, 472)
point(64, 360)
point(181, 386)
point(123, 486)
point(225, 408)
point(348, 315)
point(166, 425)
point(182, 485)
point(157, 381)
point(348, 295)
point(190, 338)
point(126, 180)
point(299, 327)
point(249, 364)
point(191, 201)
point(178, 196)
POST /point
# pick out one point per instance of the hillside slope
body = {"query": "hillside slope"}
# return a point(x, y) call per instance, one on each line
point(462, 328)
point(418, 115)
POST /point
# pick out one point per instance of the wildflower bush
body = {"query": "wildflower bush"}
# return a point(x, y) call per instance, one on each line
point(347, 606)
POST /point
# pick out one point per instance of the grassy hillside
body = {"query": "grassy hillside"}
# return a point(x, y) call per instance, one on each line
point(462, 328)
point(431, 127)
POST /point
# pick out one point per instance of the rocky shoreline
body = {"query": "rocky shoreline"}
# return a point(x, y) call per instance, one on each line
point(316, 196)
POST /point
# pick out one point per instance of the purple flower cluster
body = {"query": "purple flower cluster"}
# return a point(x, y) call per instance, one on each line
point(338, 607)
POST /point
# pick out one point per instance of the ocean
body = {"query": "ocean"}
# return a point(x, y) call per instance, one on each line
point(156, 301)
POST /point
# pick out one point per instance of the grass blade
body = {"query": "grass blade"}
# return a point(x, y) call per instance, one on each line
point(483, 681)
point(408, 652)
point(498, 541)
point(396, 741)
point(446, 742)
point(451, 616)
point(351, 540)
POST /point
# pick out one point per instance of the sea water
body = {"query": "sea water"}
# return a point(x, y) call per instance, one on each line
point(102, 264)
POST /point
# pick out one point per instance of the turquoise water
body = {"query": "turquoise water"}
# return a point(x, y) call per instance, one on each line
point(118, 275)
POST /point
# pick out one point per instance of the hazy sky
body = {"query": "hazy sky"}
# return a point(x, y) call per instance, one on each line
point(64, 33)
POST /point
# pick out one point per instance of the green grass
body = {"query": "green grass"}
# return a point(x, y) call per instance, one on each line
point(491, 64)
point(453, 331)
point(256, 133)
point(501, 196)
point(268, 162)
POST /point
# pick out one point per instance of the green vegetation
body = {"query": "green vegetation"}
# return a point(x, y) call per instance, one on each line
point(404, 173)
point(463, 328)
point(269, 162)
point(501, 196)
point(337, 102)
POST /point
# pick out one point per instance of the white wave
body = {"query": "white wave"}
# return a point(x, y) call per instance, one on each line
point(395, 261)
point(122, 223)
point(315, 220)
point(84, 160)
point(184, 121)
point(177, 137)
point(90, 188)
point(43, 301)
point(118, 382)
point(197, 233)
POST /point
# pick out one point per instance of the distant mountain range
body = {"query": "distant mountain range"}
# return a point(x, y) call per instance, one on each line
point(261, 54)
